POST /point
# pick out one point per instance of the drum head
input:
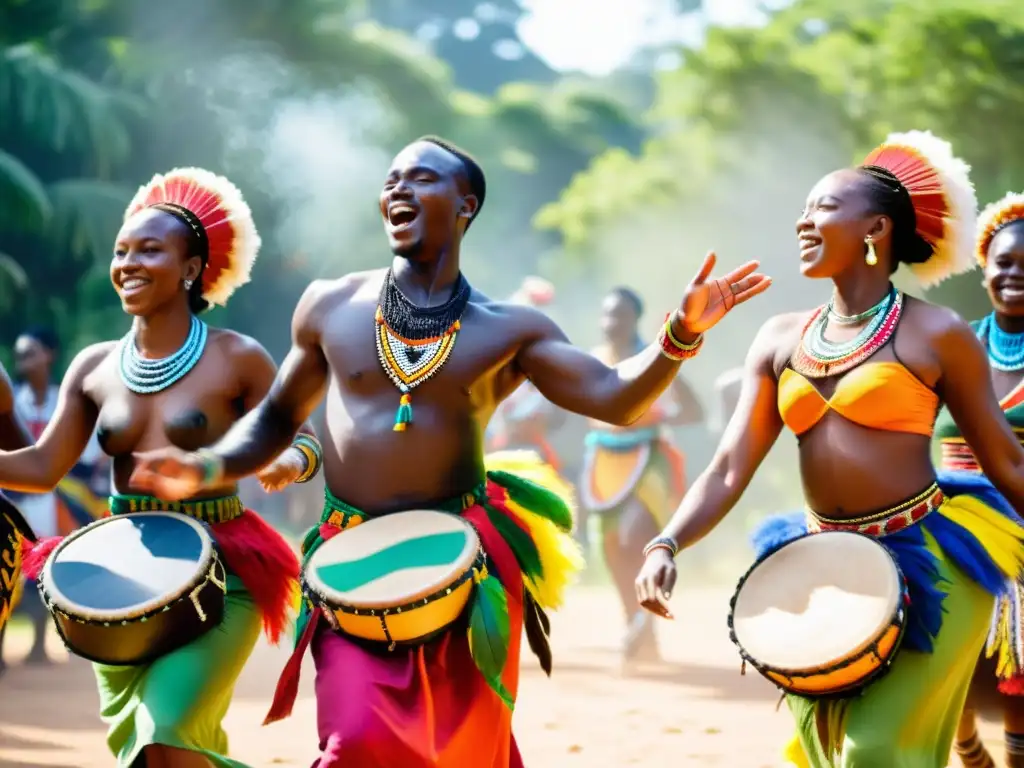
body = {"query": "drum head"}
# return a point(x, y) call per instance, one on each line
point(125, 566)
point(393, 559)
point(816, 601)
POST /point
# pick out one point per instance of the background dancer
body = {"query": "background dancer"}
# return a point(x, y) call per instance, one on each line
point(518, 432)
point(857, 382)
point(188, 240)
point(634, 476)
point(389, 450)
point(51, 513)
point(1000, 251)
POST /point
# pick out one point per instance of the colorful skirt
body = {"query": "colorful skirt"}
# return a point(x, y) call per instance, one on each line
point(619, 466)
point(180, 699)
point(444, 703)
point(956, 544)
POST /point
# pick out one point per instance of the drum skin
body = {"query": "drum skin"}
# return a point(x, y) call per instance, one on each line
point(846, 673)
point(133, 637)
point(405, 615)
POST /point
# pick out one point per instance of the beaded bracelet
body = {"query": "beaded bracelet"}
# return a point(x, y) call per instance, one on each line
point(674, 349)
point(310, 448)
point(662, 542)
point(213, 466)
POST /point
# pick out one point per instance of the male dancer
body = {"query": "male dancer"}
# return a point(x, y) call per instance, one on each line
point(358, 339)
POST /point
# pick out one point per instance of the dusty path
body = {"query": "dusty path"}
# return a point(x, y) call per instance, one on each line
point(696, 710)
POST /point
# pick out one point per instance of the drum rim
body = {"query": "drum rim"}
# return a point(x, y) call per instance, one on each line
point(899, 612)
point(57, 600)
point(330, 599)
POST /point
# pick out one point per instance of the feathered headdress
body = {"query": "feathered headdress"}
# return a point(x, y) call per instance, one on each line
point(995, 217)
point(942, 194)
point(215, 210)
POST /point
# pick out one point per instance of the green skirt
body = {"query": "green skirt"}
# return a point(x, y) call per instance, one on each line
point(180, 699)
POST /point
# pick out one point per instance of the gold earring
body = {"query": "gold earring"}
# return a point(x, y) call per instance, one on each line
point(872, 258)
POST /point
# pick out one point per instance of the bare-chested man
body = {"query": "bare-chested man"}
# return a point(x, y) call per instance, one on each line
point(366, 341)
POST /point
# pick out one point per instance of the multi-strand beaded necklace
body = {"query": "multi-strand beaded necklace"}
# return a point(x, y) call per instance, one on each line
point(1005, 350)
point(145, 376)
point(817, 357)
point(414, 342)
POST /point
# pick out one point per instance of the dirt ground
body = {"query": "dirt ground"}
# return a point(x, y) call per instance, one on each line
point(694, 710)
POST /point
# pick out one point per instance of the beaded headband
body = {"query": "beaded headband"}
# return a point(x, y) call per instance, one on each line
point(995, 217)
point(942, 195)
point(217, 213)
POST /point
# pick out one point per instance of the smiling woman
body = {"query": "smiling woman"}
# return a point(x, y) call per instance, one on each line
point(1000, 252)
point(188, 241)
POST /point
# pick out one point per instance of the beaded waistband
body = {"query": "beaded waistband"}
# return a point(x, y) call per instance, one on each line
point(886, 521)
point(206, 510)
point(342, 515)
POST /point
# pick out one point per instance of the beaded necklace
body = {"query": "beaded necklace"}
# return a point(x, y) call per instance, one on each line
point(413, 343)
point(816, 356)
point(1005, 350)
point(144, 376)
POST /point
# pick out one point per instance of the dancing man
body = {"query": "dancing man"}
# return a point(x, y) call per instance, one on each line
point(1000, 252)
point(188, 241)
point(633, 477)
point(414, 362)
point(860, 381)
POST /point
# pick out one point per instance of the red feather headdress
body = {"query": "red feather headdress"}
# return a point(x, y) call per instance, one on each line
point(995, 217)
point(943, 197)
point(214, 204)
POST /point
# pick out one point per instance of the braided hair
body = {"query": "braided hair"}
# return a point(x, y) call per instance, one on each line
point(889, 197)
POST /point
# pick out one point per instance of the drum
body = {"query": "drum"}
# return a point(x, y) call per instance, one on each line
point(128, 589)
point(821, 616)
point(398, 579)
point(13, 529)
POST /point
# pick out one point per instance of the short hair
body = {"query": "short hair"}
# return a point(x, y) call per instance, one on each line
point(630, 296)
point(474, 173)
point(888, 196)
point(42, 335)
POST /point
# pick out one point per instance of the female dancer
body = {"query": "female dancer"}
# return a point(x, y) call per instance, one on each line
point(1000, 251)
point(634, 476)
point(856, 420)
point(188, 240)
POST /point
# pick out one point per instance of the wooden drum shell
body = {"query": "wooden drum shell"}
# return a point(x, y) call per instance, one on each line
point(842, 677)
point(143, 638)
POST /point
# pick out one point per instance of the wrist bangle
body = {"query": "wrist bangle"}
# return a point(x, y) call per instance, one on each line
point(674, 349)
point(310, 448)
point(662, 542)
point(213, 466)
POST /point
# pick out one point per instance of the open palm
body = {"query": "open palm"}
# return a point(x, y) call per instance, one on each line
point(708, 299)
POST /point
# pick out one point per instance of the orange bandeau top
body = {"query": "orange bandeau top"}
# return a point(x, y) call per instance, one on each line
point(882, 395)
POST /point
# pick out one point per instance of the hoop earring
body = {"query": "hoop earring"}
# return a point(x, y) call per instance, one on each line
point(872, 258)
point(188, 284)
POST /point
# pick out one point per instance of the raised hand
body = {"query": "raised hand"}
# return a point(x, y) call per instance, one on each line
point(655, 582)
point(708, 299)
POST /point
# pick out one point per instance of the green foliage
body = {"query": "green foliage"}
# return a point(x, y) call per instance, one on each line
point(97, 96)
point(759, 113)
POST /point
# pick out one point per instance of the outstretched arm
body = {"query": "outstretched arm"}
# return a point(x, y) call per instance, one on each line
point(258, 372)
point(752, 431)
point(268, 429)
point(967, 389)
point(38, 468)
point(579, 382)
point(264, 432)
